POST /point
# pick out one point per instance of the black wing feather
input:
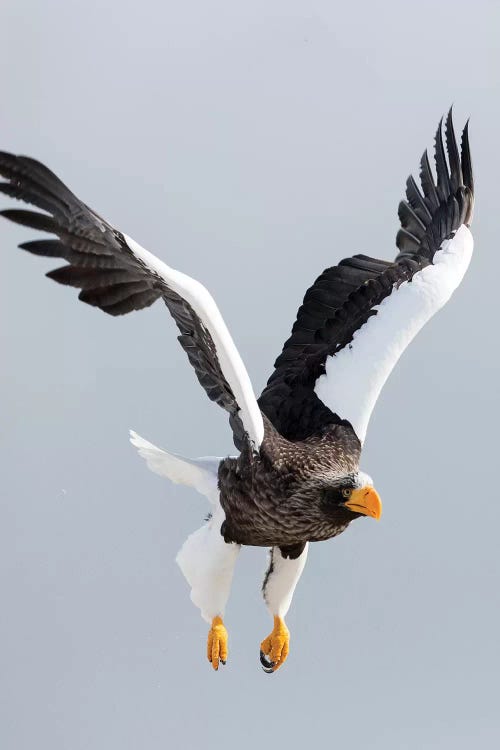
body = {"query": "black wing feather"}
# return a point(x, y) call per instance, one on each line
point(456, 179)
point(428, 186)
point(443, 178)
point(466, 160)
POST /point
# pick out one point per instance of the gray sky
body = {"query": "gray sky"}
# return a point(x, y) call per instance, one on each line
point(250, 145)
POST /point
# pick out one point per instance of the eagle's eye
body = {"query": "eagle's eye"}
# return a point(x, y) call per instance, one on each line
point(346, 492)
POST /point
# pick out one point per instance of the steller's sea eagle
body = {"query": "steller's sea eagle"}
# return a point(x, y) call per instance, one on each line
point(296, 478)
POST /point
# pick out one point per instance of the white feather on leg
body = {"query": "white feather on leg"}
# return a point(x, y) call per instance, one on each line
point(279, 585)
point(207, 563)
point(281, 579)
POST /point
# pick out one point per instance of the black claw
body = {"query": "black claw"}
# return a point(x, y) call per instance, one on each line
point(267, 665)
point(223, 662)
point(264, 660)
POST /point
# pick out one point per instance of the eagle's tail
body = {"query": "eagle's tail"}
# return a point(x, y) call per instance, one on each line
point(199, 473)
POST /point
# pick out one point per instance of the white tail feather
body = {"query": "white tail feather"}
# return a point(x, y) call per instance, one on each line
point(199, 473)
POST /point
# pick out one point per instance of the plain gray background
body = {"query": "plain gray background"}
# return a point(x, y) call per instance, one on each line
point(250, 145)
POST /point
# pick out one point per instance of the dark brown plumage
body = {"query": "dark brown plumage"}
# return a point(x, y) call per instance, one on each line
point(282, 495)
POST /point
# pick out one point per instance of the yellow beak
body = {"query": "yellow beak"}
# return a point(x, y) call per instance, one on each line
point(367, 501)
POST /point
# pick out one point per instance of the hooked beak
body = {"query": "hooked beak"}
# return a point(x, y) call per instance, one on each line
point(365, 500)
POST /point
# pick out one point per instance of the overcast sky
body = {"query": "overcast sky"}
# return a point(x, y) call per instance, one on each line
point(250, 145)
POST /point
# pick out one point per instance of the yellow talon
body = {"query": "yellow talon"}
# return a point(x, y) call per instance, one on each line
point(274, 648)
point(217, 643)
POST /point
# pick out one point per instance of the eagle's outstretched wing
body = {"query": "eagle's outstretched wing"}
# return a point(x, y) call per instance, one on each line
point(359, 316)
point(117, 275)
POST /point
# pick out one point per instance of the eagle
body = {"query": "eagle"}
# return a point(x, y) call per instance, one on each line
point(296, 475)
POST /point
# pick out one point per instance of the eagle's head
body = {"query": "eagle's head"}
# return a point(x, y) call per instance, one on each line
point(352, 496)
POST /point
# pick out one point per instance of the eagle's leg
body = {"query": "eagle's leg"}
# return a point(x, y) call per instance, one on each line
point(207, 562)
point(285, 568)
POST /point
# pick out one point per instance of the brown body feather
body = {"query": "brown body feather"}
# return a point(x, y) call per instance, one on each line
point(279, 496)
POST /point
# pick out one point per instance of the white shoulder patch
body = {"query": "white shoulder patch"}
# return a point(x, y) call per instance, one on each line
point(354, 377)
point(229, 358)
